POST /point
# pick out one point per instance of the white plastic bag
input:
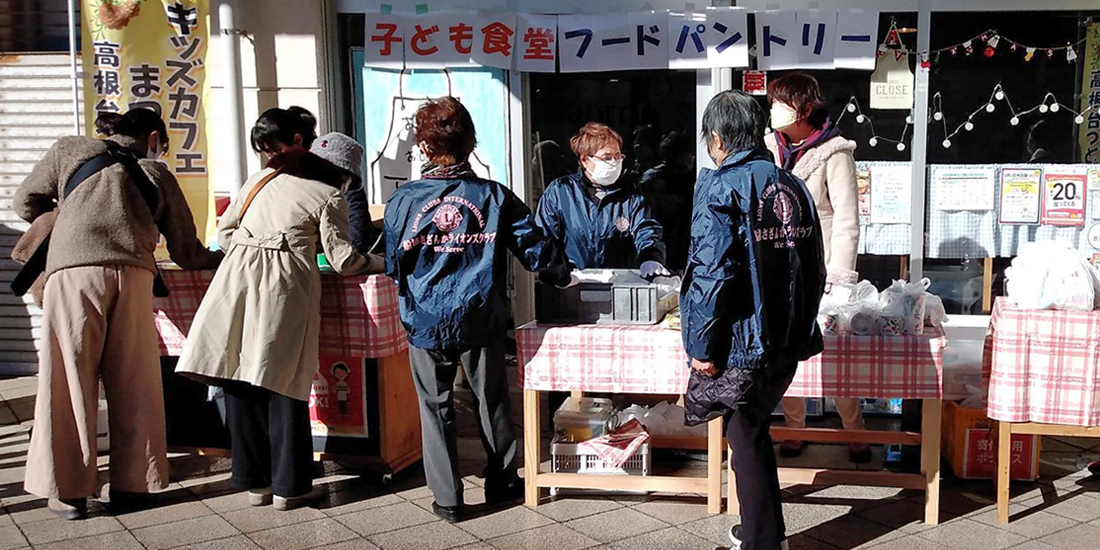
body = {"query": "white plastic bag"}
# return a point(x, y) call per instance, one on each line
point(1052, 275)
point(903, 308)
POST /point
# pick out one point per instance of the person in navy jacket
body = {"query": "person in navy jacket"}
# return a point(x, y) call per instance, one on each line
point(447, 241)
point(749, 302)
point(599, 218)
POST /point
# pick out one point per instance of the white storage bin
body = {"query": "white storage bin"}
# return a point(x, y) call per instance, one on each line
point(569, 458)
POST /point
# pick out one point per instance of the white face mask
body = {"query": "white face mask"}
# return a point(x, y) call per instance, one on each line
point(605, 172)
point(154, 152)
point(783, 117)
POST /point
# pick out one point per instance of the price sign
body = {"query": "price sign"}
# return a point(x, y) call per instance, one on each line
point(1064, 202)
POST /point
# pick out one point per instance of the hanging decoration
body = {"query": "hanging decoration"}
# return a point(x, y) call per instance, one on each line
point(992, 40)
point(853, 107)
point(1049, 104)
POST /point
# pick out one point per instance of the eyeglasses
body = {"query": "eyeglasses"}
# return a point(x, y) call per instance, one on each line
point(609, 158)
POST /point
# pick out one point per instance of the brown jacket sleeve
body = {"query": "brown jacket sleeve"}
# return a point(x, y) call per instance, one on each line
point(176, 223)
point(38, 193)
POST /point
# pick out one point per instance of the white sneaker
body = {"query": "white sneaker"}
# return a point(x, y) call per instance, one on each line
point(735, 539)
point(259, 497)
point(283, 504)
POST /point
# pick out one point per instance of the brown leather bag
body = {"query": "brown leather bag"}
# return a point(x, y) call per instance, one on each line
point(30, 241)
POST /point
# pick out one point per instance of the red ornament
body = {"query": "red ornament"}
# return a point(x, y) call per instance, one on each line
point(989, 51)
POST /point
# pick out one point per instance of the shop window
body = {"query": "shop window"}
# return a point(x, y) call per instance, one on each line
point(36, 26)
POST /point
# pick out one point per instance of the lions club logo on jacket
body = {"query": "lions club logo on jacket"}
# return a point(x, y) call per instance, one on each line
point(447, 218)
point(622, 224)
point(442, 217)
point(779, 218)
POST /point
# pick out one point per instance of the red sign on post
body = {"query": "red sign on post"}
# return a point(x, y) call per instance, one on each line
point(755, 82)
point(338, 401)
point(981, 456)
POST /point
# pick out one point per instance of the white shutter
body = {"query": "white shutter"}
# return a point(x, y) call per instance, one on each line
point(36, 108)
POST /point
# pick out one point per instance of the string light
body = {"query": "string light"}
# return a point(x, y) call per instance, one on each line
point(1049, 104)
point(861, 118)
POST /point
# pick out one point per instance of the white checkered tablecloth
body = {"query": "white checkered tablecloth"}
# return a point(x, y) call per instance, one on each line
point(360, 316)
point(651, 359)
point(1043, 366)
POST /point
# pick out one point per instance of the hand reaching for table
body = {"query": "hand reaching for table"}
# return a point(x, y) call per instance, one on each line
point(706, 368)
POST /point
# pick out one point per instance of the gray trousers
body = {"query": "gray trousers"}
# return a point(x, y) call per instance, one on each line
point(434, 375)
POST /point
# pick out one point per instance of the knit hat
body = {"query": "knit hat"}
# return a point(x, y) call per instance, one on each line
point(342, 151)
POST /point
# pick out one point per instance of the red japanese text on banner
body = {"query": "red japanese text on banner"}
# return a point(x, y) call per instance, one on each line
point(152, 54)
point(536, 43)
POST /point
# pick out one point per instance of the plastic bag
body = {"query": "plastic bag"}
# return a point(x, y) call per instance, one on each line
point(1052, 275)
point(934, 313)
point(903, 308)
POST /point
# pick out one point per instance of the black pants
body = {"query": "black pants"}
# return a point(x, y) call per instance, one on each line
point(271, 440)
point(748, 431)
point(434, 374)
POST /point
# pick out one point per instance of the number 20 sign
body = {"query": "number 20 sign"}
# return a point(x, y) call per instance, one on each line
point(1064, 199)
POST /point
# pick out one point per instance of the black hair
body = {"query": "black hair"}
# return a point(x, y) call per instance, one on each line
point(280, 126)
point(106, 124)
point(341, 366)
point(738, 120)
point(139, 123)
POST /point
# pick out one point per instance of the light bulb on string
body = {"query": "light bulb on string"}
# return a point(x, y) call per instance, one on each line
point(851, 107)
point(1015, 121)
point(946, 144)
point(909, 119)
point(901, 147)
point(860, 119)
point(873, 141)
point(1055, 107)
point(989, 108)
point(937, 116)
point(1000, 95)
point(1043, 108)
point(1079, 120)
point(969, 126)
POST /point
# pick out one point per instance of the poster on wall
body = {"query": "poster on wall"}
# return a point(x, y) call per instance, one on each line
point(893, 194)
point(1064, 199)
point(863, 187)
point(1021, 195)
point(338, 399)
point(153, 56)
point(960, 188)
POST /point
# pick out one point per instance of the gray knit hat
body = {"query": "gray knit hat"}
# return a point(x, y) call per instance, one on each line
point(342, 151)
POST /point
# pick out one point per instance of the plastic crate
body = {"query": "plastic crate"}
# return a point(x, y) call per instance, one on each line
point(603, 303)
point(569, 458)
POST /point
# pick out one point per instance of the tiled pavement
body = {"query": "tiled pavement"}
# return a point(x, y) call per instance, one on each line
point(201, 510)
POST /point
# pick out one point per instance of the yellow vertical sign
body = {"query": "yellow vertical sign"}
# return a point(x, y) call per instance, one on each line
point(1090, 96)
point(152, 54)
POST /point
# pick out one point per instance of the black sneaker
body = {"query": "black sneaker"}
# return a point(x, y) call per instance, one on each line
point(497, 492)
point(69, 508)
point(735, 539)
point(449, 514)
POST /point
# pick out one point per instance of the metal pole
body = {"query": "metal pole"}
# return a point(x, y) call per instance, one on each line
point(234, 92)
point(75, 76)
point(920, 142)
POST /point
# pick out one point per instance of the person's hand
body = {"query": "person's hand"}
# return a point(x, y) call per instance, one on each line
point(705, 368)
point(573, 281)
point(652, 269)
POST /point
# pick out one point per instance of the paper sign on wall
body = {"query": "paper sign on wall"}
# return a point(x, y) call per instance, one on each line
point(688, 38)
point(495, 33)
point(593, 43)
point(959, 188)
point(536, 44)
point(893, 193)
point(384, 45)
point(437, 41)
point(1064, 199)
point(892, 83)
point(729, 35)
point(776, 43)
point(856, 32)
point(1021, 195)
point(754, 82)
point(863, 188)
point(816, 38)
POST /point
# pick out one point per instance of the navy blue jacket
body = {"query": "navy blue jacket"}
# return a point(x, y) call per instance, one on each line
point(614, 232)
point(754, 280)
point(446, 246)
point(364, 235)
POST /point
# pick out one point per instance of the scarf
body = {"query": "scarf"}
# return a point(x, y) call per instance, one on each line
point(790, 155)
point(449, 172)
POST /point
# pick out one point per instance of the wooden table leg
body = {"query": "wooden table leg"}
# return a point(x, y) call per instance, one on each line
point(1004, 464)
point(532, 444)
point(733, 501)
point(932, 410)
point(714, 466)
point(576, 394)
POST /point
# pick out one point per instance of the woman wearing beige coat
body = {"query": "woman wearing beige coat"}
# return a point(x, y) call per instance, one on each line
point(257, 330)
point(807, 144)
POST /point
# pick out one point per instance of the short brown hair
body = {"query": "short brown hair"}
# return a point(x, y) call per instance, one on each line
point(802, 93)
point(447, 129)
point(591, 138)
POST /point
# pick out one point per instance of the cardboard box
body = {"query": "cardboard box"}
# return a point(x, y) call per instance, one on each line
point(970, 445)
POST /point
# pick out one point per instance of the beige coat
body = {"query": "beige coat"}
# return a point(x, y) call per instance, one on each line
point(260, 319)
point(829, 171)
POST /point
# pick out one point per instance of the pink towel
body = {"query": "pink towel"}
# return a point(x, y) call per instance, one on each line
point(617, 446)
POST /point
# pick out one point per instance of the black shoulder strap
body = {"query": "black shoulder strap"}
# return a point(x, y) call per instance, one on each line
point(91, 167)
point(129, 160)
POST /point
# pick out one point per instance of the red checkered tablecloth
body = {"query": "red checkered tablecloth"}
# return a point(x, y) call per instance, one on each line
point(651, 359)
point(360, 316)
point(1043, 366)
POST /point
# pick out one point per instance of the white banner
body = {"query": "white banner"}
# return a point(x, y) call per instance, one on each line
point(776, 40)
point(729, 28)
point(496, 39)
point(536, 43)
point(856, 40)
point(689, 38)
point(384, 45)
point(817, 39)
point(439, 40)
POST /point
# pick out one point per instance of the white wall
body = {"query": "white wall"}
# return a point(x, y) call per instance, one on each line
point(282, 63)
